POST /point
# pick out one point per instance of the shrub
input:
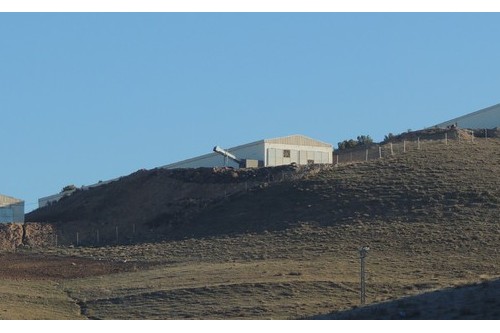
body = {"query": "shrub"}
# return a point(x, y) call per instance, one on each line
point(362, 140)
point(68, 188)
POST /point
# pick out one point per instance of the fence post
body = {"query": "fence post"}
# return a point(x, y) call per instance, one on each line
point(379, 152)
point(404, 146)
point(472, 135)
point(418, 143)
point(337, 159)
point(446, 138)
point(392, 151)
point(366, 157)
point(363, 252)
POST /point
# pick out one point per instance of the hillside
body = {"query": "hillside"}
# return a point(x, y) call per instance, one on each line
point(151, 204)
point(439, 184)
point(289, 249)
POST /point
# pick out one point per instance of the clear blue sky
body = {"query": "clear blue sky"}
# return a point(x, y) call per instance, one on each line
point(89, 97)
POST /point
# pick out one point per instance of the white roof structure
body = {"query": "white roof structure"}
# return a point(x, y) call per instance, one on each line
point(298, 140)
point(485, 118)
point(7, 201)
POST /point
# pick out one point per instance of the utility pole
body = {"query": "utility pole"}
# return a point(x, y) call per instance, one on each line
point(363, 252)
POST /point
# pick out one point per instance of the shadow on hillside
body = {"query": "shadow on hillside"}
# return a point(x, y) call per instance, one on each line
point(479, 301)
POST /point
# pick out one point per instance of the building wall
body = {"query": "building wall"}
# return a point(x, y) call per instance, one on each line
point(298, 154)
point(42, 202)
point(6, 214)
point(485, 118)
point(205, 161)
point(253, 151)
point(12, 213)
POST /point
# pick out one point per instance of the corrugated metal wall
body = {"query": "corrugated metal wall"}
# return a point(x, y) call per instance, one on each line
point(275, 157)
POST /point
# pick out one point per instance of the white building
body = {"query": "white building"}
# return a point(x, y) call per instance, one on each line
point(11, 209)
point(297, 149)
point(485, 118)
point(45, 201)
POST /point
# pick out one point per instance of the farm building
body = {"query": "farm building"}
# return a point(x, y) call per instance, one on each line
point(487, 118)
point(297, 149)
point(11, 209)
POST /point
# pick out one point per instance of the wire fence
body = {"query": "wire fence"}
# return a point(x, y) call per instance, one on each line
point(131, 233)
point(411, 143)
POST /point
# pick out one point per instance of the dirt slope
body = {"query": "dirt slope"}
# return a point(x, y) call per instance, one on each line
point(438, 184)
point(150, 204)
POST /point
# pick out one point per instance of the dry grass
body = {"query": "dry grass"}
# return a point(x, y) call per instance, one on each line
point(22, 299)
point(299, 272)
point(288, 251)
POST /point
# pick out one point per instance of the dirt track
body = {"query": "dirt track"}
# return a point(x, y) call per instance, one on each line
point(42, 267)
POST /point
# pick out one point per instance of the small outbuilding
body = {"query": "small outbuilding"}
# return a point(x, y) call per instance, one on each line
point(11, 210)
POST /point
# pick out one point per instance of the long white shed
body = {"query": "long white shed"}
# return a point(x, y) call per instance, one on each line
point(297, 149)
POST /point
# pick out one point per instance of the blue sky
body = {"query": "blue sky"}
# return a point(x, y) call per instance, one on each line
point(93, 96)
